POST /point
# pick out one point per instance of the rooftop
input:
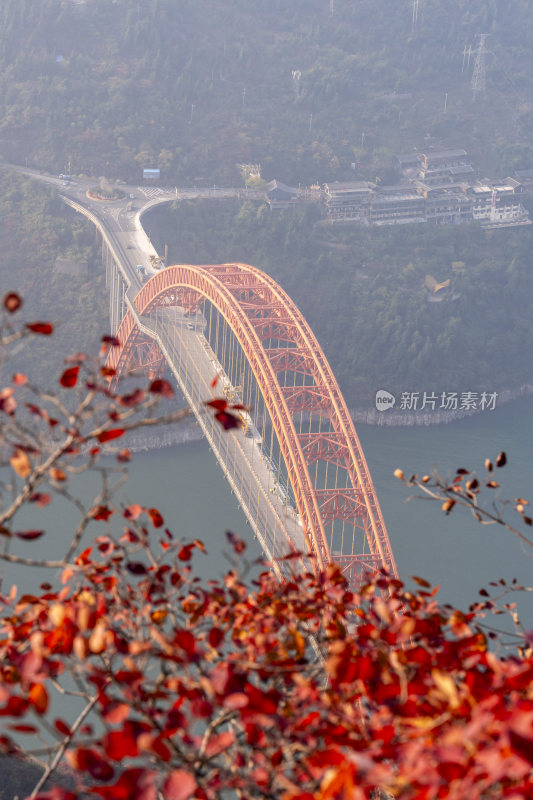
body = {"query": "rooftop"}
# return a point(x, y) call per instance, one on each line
point(408, 158)
point(445, 154)
point(349, 187)
point(275, 184)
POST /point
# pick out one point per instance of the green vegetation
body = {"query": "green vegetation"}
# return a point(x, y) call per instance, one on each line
point(36, 228)
point(362, 291)
point(198, 86)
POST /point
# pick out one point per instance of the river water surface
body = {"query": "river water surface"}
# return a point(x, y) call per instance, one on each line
point(456, 552)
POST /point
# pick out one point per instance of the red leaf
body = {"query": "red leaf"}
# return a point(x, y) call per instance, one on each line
point(15, 707)
point(133, 783)
point(84, 557)
point(42, 499)
point(107, 436)
point(111, 340)
point(263, 702)
point(217, 744)
point(215, 637)
point(214, 382)
point(62, 727)
point(155, 516)
point(70, 377)
point(162, 387)
point(133, 399)
point(124, 456)
point(101, 512)
point(43, 328)
point(185, 640)
point(29, 535)
point(227, 420)
point(218, 403)
point(12, 302)
point(120, 744)
point(19, 379)
point(236, 700)
point(522, 746)
point(38, 698)
point(117, 713)
point(136, 568)
point(179, 785)
point(23, 728)
point(133, 512)
point(185, 552)
point(89, 760)
point(421, 581)
point(236, 542)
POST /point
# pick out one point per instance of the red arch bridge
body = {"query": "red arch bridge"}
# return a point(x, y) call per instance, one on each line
point(296, 464)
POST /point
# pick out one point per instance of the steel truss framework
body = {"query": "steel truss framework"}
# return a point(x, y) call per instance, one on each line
point(259, 311)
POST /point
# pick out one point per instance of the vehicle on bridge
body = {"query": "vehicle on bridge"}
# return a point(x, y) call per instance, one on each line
point(156, 262)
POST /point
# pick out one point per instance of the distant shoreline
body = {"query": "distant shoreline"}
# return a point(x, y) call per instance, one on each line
point(143, 441)
point(404, 419)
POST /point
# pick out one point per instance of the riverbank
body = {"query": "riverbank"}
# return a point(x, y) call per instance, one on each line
point(143, 441)
point(399, 419)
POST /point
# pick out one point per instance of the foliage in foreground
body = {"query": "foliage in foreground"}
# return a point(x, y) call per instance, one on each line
point(189, 689)
point(304, 689)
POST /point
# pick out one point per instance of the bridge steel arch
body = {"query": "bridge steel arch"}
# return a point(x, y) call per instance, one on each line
point(258, 312)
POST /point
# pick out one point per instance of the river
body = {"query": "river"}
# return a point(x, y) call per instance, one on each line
point(454, 551)
point(186, 484)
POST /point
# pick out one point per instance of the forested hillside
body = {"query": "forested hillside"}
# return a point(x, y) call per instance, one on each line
point(35, 229)
point(363, 292)
point(305, 87)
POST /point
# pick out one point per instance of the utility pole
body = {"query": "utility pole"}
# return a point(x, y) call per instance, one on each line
point(445, 101)
point(192, 112)
point(479, 78)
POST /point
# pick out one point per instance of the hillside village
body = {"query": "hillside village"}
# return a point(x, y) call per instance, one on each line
point(439, 187)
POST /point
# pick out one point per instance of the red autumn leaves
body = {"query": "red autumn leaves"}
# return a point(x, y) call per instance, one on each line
point(205, 689)
point(224, 416)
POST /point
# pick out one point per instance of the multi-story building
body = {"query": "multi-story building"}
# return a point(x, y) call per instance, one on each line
point(498, 206)
point(438, 187)
point(350, 201)
point(396, 205)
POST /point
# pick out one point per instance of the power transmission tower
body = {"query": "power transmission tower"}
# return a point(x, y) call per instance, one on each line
point(415, 13)
point(467, 55)
point(479, 78)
